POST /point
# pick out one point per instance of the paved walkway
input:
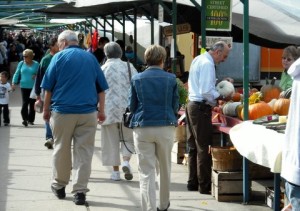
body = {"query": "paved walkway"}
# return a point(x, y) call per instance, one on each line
point(25, 171)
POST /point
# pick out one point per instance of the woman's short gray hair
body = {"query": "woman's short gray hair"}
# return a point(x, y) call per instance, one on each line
point(113, 50)
point(155, 55)
point(68, 35)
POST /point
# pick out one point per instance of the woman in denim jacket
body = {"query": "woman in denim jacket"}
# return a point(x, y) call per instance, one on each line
point(154, 104)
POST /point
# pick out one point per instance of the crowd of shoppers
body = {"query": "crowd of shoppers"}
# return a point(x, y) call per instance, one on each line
point(80, 89)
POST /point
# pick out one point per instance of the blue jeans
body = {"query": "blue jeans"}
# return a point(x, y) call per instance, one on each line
point(293, 195)
point(48, 130)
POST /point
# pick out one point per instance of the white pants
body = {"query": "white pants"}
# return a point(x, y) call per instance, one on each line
point(80, 128)
point(110, 143)
point(153, 148)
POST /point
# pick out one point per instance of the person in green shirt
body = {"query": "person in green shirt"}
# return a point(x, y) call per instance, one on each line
point(289, 55)
point(40, 75)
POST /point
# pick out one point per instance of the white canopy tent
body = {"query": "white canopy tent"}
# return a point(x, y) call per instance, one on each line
point(272, 20)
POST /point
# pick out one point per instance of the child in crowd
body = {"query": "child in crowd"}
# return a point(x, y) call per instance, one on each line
point(4, 97)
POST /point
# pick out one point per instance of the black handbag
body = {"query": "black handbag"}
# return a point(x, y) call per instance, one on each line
point(127, 116)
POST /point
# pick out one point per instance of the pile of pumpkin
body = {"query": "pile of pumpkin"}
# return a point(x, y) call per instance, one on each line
point(269, 100)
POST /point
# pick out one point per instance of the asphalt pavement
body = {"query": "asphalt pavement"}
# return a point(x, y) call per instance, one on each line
point(25, 176)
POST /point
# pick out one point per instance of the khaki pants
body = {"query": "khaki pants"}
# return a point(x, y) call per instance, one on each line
point(153, 148)
point(110, 144)
point(80, 128)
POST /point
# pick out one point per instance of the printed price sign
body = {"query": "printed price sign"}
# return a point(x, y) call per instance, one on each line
point(218, 15)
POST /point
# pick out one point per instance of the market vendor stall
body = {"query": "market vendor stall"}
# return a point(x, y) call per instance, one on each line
point(256, 143)
point(261, 146)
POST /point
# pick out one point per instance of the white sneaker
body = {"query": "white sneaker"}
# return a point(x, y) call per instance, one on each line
point(115, 176)
point(127, 170)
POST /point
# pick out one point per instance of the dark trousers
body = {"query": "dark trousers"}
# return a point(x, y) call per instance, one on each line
point(199, 138)
point(5, 109)
point(27, 102)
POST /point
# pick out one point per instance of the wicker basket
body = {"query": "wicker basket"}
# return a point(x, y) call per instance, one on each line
point(226, 159)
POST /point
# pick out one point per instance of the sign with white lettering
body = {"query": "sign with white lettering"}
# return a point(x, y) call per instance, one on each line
point(218, 15)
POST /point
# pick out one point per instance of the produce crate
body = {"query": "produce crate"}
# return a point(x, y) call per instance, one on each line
point(270, 197)
point(227, 186)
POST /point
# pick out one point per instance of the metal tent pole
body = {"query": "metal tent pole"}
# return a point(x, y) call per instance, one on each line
point(246, 94)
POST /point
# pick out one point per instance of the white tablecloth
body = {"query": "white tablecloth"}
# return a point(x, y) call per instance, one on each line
point(258, 144)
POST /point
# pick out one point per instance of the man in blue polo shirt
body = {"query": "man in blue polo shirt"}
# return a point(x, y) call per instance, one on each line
point(74, 88)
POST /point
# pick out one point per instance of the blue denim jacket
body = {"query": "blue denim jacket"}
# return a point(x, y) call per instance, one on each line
point(154, 99)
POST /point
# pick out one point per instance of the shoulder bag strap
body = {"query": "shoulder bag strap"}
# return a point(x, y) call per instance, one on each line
point(129, 71)
point(121, 125)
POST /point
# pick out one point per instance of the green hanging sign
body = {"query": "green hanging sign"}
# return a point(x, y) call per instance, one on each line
point(218, 15)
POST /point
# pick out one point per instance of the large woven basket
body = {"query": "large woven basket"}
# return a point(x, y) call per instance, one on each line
point(226, 159)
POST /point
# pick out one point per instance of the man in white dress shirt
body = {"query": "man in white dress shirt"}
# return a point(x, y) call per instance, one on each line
point(202, 96)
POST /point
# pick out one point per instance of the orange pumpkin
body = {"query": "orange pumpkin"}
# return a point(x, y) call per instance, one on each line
point(251, 90)
point(236, 97)
point(281, 106)
point(270, 91)
point(258, 110)
point(271, 103)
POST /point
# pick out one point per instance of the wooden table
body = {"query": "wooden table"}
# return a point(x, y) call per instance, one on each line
point(224, 124)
